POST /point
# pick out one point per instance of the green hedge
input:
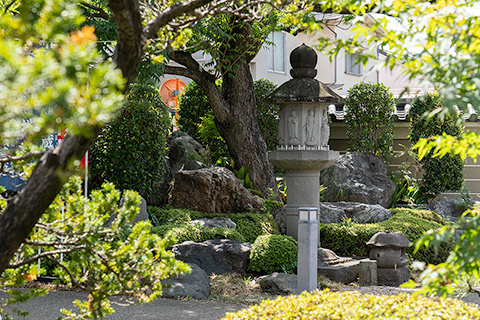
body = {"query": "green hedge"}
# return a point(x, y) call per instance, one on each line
point(249, 225)
point(350, 305)
point(440, 174)
point(348, 239)
point(273, 253)
point(130, 150)
point(186, 232)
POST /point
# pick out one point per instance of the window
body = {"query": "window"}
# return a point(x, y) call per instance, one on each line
point(351, 65)
point(276, 52)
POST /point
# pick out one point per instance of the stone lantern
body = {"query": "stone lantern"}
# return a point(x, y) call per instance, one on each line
point(303, 133)
point(388, 250)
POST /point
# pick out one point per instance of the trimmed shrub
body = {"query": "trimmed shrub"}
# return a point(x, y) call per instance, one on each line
point(349, 239)
point(130, 151)
point(273, 253)
point(271, 205)
point(424, 214)
point(197, 233)
point(348, 305)
point(169, 215)
point(249, 225)
point(369, 119)
point(440, 174)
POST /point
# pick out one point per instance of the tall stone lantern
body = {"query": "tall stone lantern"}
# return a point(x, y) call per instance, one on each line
point(303, 133)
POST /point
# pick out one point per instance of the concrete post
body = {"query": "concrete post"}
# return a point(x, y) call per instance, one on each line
point(368, 273)
point(307, 250)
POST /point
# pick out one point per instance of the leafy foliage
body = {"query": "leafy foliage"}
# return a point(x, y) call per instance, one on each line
point(369, 119)
point(131, 151)
point(351, 305)
point(99, 240)
point(273, 253)
point(54, 89)
point(441, 174)
point(347, 239)
point(462, 267)
point(267, 112)
point(197, 119)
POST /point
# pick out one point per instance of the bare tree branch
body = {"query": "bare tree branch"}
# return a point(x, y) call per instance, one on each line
point(7, 7)
point(45, 254)
point(26, 208)
point(52, 244)
point(162, 19)
point(100, 13)
point(27, 156)
point(70, 275)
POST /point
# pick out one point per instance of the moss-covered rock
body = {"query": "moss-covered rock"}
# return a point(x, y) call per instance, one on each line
point(249, 225)
point(186, 232)
point(273, 253)
point(348, 238)
point(424, 214)
point(349, 305)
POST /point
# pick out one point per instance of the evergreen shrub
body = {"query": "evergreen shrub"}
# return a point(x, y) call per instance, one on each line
point(130, 152)
point(351, 305)
point(369, 119)
point(350, 239)
point(273, 253)
point(249, 225)
point(440, 174)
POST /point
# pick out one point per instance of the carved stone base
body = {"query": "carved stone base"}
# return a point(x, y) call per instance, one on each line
point(392, 277)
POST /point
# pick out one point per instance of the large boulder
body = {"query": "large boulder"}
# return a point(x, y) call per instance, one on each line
point(357, 177)
point(279, 283)
point(195, 284)
point(217, 256)
point(280, 216)
point(449, 207)
point(335, 212)
point(214, 223)
point(184, 152)
point(212, 189)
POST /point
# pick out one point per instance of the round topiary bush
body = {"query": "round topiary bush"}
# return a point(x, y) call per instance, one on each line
point(348, 305)
point(273, 253)
point(130, 151)
point(440, 174)
point(369, 119)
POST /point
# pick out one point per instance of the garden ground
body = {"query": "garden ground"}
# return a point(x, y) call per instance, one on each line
point(229, 293)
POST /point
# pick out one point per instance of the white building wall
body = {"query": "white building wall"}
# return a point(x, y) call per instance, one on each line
point(329, 71)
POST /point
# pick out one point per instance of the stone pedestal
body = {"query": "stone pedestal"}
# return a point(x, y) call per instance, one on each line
point(302, 177)
point(393, 277)
point(368, 273)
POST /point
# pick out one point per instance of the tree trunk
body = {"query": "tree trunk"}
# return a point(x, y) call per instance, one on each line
point(241, 131)
point(25, 209)
point(235, 108)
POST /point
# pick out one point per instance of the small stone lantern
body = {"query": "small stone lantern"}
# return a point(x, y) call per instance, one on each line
point(388, 249)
